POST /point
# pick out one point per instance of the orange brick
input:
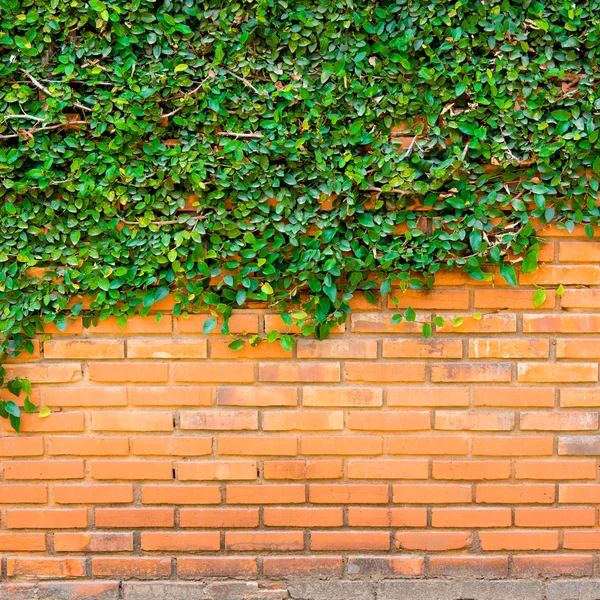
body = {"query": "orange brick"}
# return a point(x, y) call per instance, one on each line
point(22, 542)
point(29, 493)
point(387, 517)
point(216, 566)
point(67, 397)
point(578, 348)
point(363, 541)
point(388, 469)
point(348, 445)
point(131, 469)
point(351, 348)
point(74, 327)
point(21, 446)
point(382, 323)
point(471, 469)
point(93, 542)
point(181, 494)
point(59, 422)
point(580, 299)
point(303, 421)
point(42, 469)
point(86, 446)
point(431, 493)
point(25, 356)
point(303, 517)
point(181, 541)
point(266, 494)
point(561, 323)
point(581, 540)
point(470, 517)
point(515, 493)
point(303, 469)
point(261, 541)
point(342, 396)
point(513, 446)
point(555, 469)
point(125, 567)
point(491, 323)
point(388, 421)
point(302, 566)
point(511, 299)
point(559, 421)
point(129, 372)
point(83, 349)
point(427, 445)
point(434, 541)
point(517, 397)
point(275, 323)
point(210, 372)
point(474, 421)
point(134, 517)
point(428, 396)
point(348, 493)
point(535, 566)
point(571, 493)
point(470, 372)
point(562, 274)
point(41, 568)
point(218, 518)
point(555, 517)
point(45, 373)
point(495, 541)
point(166, 349)
point(220, 470)
point(118, 493)
point(238, 323)
point(490, 567)
point(135, 326)
point(579, 397)
point(219, 350)
point(558, 372)
point(170, 396)
point(46, 518)
point(257, 396)
point(431, 299)
point(299, 372)
point(171, 446)
point(408, 348)
point(584, 252)
point(253, 445)
point(385, 372)
point(503, 348)
point(132, 421)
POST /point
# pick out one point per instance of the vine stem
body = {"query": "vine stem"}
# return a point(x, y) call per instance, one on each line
point(163, 223)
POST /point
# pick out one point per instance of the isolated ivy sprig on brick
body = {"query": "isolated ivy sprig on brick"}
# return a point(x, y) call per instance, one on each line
point(289, 153)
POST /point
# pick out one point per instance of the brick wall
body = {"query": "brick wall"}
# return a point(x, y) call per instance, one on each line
point(169, 456)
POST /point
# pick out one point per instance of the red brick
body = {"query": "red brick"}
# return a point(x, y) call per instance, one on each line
point(132, 469)
point(348, 493)
point(150, 421)
point(431, 299)
point(257, 396)
point(490, 323)
point(210, 372)
point(561, 323)
point(59, 422)
point(218, 518)
point(581, 540)
point(83, 349)
point(303, 469)
point(388, 469)
point(562, 275)
point(559, 421)
point(170, 396)
point(299, 372)
point(474, 421)
point(482, 567)
point(220, 470)
point(555, 517)
point(513, 446)
point(471, 469)
point(352, 348)
point(579, 397)
point(129, 372)
point(470, 518)
point(494, 541)
point(342, 396)
point(470, 372)
point(382, 323)
point(387, 517)
point(348, 445)
point(125, 567)
point(253, 445)
point(266, 494)
point(573, 298)
point(555, 469)
point(264, 541)
point(216, 566)
point(302, 566)
point(517, 397)
point(515, 493)
point(45, 373)
point(436, 348)
point(87, 446)
point(29, 493)
point(45, 567)
point(303, 421)
point(89, 493)
point(434, 541)
point(428, 396)
point(171, 446)
point(22, 542)
point(21, 446)
point(569, 566)
point(67, 397)
point(172, 348)
point(427, 445)
point(508, 348)
point(179, 494)
point(411, 566)
point(126, 518)
point(238, 323)
point(584, 252)
point(303, 517)
point(388, 421)
point(350, 540)
point(135, 325)
point(46, 518)
point(43, 469)
point(219, 349)
point(219, 420)
point(578, 348)
point(385, 372)
point(93, 542)
point(558, 372)
point(511, 299)
point(431, 493)
point(180, 541)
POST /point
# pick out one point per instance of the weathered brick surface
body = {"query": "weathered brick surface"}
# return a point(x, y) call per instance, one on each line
point(374, 454)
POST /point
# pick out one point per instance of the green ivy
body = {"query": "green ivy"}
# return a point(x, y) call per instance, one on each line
point(116, 112)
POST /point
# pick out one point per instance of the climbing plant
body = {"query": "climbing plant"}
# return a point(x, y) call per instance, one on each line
point(282, 151)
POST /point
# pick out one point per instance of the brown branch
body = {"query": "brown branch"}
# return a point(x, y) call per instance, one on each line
point(163, 223)
point(392, 191)
point(255, 134)
point(30, 132)
point(24, 116)
point(245, 81)
point(176, 110)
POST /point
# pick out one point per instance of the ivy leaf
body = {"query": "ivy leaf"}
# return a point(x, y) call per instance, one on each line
point(286, 343)
point(209, 325)
point(15, 422)
point(539, 297)
point(508, 273)
point(560, 290)
point(427, 330)
point(12, 408)
point(410, 314)
point(397, 318)
point(45, 412)
point(28, 406)
point(457, 322)
point(237, 344)
point(439, 321)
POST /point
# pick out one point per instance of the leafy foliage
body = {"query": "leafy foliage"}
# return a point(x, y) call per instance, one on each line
point(278, 122)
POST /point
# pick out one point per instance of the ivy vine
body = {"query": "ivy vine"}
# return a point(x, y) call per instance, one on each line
point(282, 151)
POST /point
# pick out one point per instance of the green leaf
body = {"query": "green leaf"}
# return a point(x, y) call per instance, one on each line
point(286, 342)
point(15, 422)
point(427, 330)
point(439, 321)
point(237, 344)
point(410, 314)
point(28, 406)
point(45, 412)
point(397, 318)
point(457, 322)
point(478, 316)
point(209, 325)
point(539, 297)
point(508, 273)
point(560, 290)
point(12, 408)
point(180, 67)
